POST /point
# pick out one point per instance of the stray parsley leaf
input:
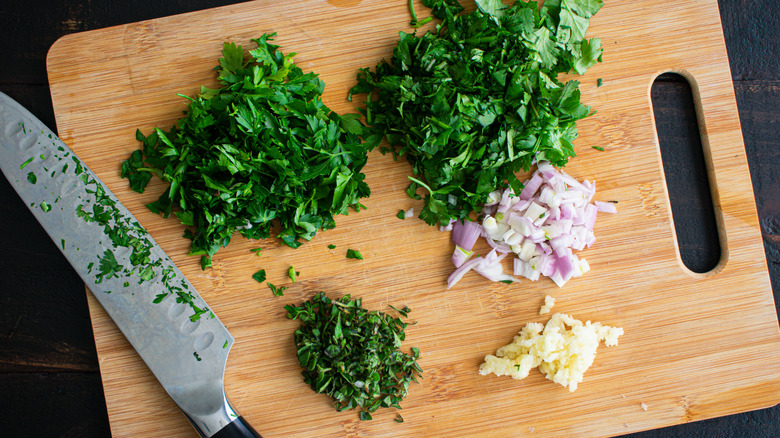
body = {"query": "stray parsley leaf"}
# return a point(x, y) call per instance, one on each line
point(277, 291)
point(293, 274)
point(353, 254)
point(331, 246)
point(401, 215)
point(259, 276)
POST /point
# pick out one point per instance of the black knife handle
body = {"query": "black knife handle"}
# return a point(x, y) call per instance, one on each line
point(237, 428)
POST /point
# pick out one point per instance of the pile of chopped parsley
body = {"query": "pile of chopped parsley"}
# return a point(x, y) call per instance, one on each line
point(479, 99)
point(261, 149)
point(353, 354)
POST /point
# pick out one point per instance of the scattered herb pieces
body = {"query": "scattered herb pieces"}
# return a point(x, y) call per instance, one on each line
point(195, 353)
point(599, 81)
point(353, 254)
point(598, 148)
point(293, 274)
point(32, 178)
point(256, 251)
point(401, 215)
point(277, 291)
point(259, 276)
point(353, 354)
point(262, 147)
point(29, 160)
point(331, 246)
point(478, 99)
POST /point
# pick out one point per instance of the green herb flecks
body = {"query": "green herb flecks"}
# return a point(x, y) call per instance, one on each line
point(401, 215)
point(261, 148)
point(31, 178)
point(259, 276)
point(100, 209)
point(293, 274)
point(598, 148)
point(331, 246)
point(478, 99)
point(354, 254)
point(277, 291)
point(352, 354)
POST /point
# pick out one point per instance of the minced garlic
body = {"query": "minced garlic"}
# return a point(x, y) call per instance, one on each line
point(563, 349)
point(549, 302)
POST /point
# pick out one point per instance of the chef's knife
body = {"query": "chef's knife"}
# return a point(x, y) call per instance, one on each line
point(181, 340)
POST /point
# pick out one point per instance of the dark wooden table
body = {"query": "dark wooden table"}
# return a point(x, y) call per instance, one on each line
point(49, 375)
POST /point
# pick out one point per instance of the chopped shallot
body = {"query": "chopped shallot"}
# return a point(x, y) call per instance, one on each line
point(549, 218)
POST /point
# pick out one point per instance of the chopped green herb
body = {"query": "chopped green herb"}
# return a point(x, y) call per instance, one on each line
point(352, 354)
point(598, 148)
point(62, 243)
point(26, 163)
point(331, 246)
point(599, 81)
point(159, 297)
point(399, 418)
point(506, 281)
point(476, 100)
point(277, 291)
point(32, 178)
point(225, 344)
point(293, 274)
point(45, 206)
point(401, 214)
point(353, 254)
point(195, 353)
point(260, 148)
point(256, 251)
point(259, 276)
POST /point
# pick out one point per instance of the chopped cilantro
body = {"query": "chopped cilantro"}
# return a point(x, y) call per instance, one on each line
point(401, 214)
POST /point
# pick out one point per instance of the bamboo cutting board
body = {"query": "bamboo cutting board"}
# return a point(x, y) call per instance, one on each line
point(695, 346)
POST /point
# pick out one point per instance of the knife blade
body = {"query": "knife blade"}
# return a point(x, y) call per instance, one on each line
point(168, 323)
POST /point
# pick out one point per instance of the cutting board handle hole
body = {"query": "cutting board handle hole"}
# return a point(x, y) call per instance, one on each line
point(685, 168)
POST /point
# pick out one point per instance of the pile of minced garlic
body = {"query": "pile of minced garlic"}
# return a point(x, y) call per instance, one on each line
point(563, 349)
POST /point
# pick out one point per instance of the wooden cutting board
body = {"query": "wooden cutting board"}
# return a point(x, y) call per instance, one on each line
point(695, 346)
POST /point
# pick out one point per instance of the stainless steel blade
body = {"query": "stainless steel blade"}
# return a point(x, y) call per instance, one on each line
point(183, 342)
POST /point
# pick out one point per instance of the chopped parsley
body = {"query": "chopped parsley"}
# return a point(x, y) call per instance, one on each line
point(353, 254)
point(476, 100)
point(259, 276)
point(260, 148)
point(277, 291)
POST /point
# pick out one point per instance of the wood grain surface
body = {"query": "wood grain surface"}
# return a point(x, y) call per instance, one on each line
point(696, 345)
